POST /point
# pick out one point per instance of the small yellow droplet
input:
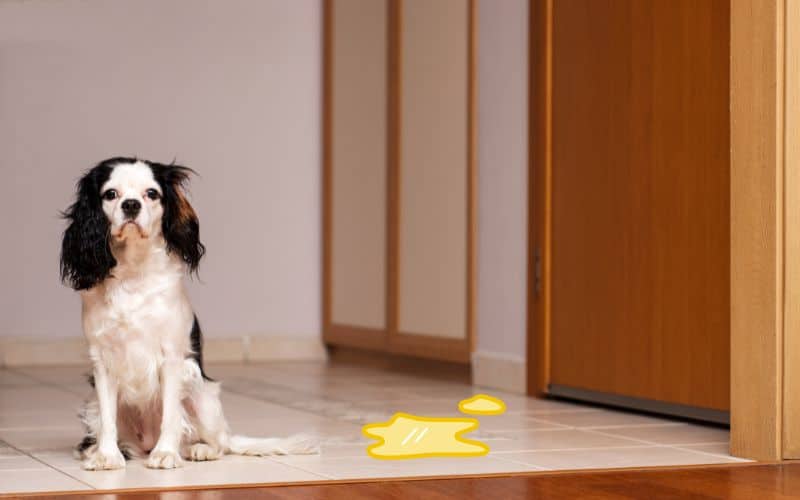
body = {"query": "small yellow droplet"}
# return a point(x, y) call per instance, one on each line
point(482, 404)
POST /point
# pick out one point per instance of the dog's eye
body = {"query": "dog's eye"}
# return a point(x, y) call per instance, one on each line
point(152, 194)
point(111, 194)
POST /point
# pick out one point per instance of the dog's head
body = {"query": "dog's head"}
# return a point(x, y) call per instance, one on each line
point(125, 201)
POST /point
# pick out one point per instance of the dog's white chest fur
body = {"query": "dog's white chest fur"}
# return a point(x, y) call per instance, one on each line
point(132, 319)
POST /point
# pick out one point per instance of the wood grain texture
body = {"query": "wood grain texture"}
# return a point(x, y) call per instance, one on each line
point(791, 366)
point(745, 482)
point(539, 195)
point(640, 199)
point(394, 70)
point(471, 270)
point(756, 94)
point(327, 105)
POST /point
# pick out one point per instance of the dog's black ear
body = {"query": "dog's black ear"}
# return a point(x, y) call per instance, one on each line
point(179, 223)
point(86, 257)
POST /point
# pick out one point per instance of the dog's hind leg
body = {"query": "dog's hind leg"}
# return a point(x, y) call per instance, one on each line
point(211, 435)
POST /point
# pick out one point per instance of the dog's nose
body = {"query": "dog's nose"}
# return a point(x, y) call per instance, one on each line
point(131, 208)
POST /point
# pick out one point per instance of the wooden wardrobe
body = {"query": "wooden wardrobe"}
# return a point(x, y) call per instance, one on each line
point(398, 176)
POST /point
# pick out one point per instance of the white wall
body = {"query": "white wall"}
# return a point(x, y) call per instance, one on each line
point(228, 87)
point(499, 359)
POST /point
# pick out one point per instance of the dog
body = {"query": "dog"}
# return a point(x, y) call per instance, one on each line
point(132, 236)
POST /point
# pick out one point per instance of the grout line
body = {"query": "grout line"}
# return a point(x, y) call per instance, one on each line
point(301, 469)
point(591, 448)
point(519, 462)
point(607, 434)
point(673, 446)
point(667, 424)
point(700, 443)
point(50, 466)
point(516, 462)
point(547, 413)
point(47, 383)
point(717, 455)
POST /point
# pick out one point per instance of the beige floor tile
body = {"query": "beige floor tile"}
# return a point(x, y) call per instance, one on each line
point(602, 418)
point(721, 449)
point(414, 406)
point(9, 379)
point(16, 400)
point(454, 393)
point(508, 422)
point(57, 375)
point(60, 458)
point(366, 467)
point(49, 480)
point(38, 420)
point(7, 451)
point(540, 406)
point(20, 462)
point(345, 450)
point(684, 434)
point(45, 438)
point(251, 470)
point(603, 458)
point(512, 422)
point(322, 427)
point(240, 407)
point(553, 440)
point(359, 393)
point(334, 402)
point(63, 459)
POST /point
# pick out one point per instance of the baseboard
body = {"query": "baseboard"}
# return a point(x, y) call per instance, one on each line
point(499, 371)
point(27, 352)
point(284, 349)
point(73, 351)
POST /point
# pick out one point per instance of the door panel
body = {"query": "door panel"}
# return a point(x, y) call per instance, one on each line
point(434, 144)
point(640, 199)
point(358, 168)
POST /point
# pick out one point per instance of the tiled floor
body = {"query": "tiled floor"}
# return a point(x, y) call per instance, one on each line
point(38, 429)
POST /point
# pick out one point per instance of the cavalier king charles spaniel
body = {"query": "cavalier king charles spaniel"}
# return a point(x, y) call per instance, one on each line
point(132, 236)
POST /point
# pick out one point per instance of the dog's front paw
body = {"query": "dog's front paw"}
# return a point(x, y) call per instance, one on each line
point(104, 460)
point(200, 452)
point(164, 459)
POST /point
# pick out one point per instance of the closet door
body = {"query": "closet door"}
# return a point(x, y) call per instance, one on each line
point(398, 176)
point(355, 176)
point(434, 178)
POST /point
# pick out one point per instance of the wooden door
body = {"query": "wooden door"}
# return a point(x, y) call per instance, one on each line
point(639, 180)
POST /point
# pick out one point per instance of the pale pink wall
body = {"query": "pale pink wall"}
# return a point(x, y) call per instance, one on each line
point(502, 177)
point(230, 88)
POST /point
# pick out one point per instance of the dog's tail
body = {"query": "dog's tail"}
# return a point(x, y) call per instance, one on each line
point(299, 444)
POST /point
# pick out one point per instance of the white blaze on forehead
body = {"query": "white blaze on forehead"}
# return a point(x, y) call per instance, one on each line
point(131, 177)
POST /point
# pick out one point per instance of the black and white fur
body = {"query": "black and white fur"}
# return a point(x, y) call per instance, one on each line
point(132, 236)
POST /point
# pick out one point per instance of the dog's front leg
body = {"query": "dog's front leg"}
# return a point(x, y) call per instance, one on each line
point(166, 454)
point(107, 455)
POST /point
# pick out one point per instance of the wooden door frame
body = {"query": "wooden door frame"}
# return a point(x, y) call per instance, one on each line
point(391, 339)
point(765, 221)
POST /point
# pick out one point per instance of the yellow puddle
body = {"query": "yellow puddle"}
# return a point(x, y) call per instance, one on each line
point(412, 436)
